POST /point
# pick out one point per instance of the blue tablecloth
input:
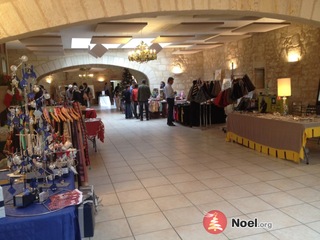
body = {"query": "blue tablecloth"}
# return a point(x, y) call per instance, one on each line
point(24, 223)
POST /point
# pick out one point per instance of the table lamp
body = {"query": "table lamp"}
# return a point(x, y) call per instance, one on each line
point(284, 91)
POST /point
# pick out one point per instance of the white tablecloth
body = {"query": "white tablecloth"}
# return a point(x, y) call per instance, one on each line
point(104, 101)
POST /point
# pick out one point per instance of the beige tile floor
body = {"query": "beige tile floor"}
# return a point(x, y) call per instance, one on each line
point(157, 182)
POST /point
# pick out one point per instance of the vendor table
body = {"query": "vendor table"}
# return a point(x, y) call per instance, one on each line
point(283, 137)
point(89, 113)
point(94, 128)
point(36, 222)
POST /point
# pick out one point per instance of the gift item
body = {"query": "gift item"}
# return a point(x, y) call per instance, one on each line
point(63, 200)
point(2, 210)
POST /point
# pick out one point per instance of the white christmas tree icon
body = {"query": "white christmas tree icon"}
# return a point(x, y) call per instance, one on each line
point(214, 223)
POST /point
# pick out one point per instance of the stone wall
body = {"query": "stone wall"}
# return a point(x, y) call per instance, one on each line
point(270, 51)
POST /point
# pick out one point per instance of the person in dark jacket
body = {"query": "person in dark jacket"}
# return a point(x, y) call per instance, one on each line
point(77, 95)
point(144, 94)
point(127, 102)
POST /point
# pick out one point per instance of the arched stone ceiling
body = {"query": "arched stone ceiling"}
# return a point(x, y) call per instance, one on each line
point(23, 18)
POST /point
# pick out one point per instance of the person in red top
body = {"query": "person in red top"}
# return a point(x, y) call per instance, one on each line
point(134, 96)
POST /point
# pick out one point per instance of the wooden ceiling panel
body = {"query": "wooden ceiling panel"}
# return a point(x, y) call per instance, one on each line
point(47, 48)
point(186, 51)
point(181, 45)
point(49, 53)
point(205, 46)
point(194, 27)
point(260, 27)
point(120, 27)
point(173, 39)
point(110, 39)
point(227, 38)
point(42, 40)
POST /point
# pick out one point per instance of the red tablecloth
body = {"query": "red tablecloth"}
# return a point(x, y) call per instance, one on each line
point(90, 113)
point(95, 128)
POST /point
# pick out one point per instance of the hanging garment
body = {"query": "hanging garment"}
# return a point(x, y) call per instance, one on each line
point(238, 89)
point(201, 96)
point(205, 88)
point(216, 88)
point(211, 86)
point(223, 99)
point(248, 84)
point(193, 91)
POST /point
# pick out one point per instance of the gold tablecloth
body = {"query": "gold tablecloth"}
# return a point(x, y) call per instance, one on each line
point(280, 136)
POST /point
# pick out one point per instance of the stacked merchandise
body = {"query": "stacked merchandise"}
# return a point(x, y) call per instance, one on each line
point(43, 141)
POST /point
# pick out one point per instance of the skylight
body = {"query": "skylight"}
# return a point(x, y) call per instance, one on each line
point(81, 43)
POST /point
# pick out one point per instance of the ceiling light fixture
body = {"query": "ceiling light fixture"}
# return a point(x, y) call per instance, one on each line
point(49, 79)
point(85, 73)
point(142, 54)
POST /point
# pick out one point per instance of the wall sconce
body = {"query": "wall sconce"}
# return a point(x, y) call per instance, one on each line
point(177, 68)
point(49, 79)
point(100, 79)
point(284, 91)
point(293, 56)
point(232, 65)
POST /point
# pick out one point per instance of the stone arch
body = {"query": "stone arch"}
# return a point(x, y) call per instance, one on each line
point(85, 60)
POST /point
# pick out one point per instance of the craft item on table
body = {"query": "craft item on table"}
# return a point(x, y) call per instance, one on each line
point(66, 199)
point(33, 147)
point(11, 189)
point(2, 211)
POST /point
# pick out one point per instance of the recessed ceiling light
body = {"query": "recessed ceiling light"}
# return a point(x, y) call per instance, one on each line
point(111, 45)
point(80, 43)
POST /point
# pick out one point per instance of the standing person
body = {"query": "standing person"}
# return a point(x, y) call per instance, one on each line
point(69, 94)
point(144, 94)
point(87, 94)
point(77, 95)
point(170, 94)
point(81, 88)
point(134, 96)
point(106, 89)
point(116, 96)
point(127, 102)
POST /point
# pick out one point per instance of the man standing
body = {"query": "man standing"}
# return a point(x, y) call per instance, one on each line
point(144, 94)
point(134, 96)
point(87, 94)
point(127, 100)
point(170, 94)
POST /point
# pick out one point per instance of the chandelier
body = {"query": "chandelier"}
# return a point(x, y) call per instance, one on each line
point(142, 54)
point(85, 73)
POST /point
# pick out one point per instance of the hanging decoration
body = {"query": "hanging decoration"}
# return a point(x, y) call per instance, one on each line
point(41, 153)
point(142, 53)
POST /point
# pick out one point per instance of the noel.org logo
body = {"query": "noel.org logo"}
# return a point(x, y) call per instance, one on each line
point(215, 222)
